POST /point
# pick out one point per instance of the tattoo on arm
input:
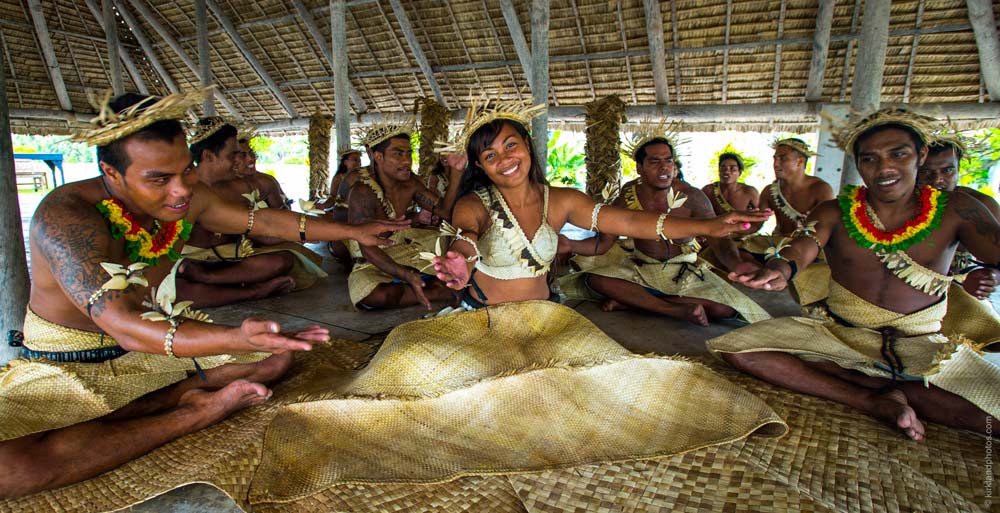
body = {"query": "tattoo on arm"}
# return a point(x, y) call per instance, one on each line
point(984, 223)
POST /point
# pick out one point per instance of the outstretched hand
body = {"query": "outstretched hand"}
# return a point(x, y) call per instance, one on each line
point(415, 281)
point(376, 233)
point(980, 283)
point(757, 277)
point(266, 336)
point(452, 269)
point(737, 221)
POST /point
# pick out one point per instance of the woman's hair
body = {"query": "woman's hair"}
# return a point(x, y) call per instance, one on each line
point(731, 156)
point(481, 139)
point(341, 166)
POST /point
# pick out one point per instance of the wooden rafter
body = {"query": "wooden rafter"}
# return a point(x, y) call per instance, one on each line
point(583, 45)
point(850, 50)
point(628, 61)
point(373, 57)
point(777, 54)
point(465, 48)
point(307, 19)
point(147, 48)
point(520, 43)
point(13, 74)
point(341, 82)
point(418, 53)
point(725, 53)
point(820, 50)
point(984, 25)
point(105, 17)
point(540, 17)
point(147, 14)
point(658, 58)
point(503, 53)
point(675, 50)
point(204, 54)
point(399, 46)
point(231, 31)
point(913, 53)
point(49, 53)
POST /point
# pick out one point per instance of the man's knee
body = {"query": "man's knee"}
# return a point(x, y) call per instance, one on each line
point(28, 467)
point(748, 361)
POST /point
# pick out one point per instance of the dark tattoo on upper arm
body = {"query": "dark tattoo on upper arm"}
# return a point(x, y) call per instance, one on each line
point(981, 219)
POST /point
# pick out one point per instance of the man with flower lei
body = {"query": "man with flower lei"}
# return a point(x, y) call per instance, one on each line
point(102, 381)
point(665, 277)
point(878, 343)
point(223, 269)
point(395, 277)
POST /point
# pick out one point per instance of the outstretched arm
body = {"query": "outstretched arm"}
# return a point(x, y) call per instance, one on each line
point(74, 241)
point(978, 230)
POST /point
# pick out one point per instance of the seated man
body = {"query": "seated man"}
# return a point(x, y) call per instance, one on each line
point(224, 269)
point(664, 277)
point(877, 344)
point(245, 166)
point(940, 171)
point(98, 385)
point(728, 191)
point(336, 205)
point(387, 278)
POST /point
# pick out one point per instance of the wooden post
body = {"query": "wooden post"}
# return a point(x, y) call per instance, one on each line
point(342, 112)
point(657, 56)
point(540, 70)
point(520, 44)
point(114, 52)
point(51, 62)
point(99, 14)
point(204, 59)
point(147, 48)
point(866, 90)
point(984, 25)
point(821, 47)
point(14, 272)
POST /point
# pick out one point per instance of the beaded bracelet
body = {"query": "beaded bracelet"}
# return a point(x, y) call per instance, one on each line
point(593, 216)
point(659, 227)
point(302, 227)
point(249, 222)
point(168, 340)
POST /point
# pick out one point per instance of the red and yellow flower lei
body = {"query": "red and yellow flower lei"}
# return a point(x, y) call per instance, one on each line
point(140, 244)
point(862, 228)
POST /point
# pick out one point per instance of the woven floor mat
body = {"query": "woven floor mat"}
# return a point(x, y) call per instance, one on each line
point(833, 460)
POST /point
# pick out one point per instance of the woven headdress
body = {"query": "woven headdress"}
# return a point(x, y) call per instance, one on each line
point(923, 126)
point(954, 139)
point(371, 135)
point(246, 132)
point(483, 111)
point(649, 130)
point(795, 144)
point(207, 127)
point(109, 126)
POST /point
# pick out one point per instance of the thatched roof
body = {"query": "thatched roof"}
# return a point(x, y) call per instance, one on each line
point(596, 48)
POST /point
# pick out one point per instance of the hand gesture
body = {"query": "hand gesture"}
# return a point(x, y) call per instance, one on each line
point(757, 277)
point(415, 281)
point(452, 269)
point(376, 233)
point(456, 163)
point(980, 282)
point(734, 222)
point(266, 336)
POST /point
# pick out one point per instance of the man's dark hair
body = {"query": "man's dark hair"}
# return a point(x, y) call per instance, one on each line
point(918, 142)
point(731, 156)
point(938, 147)
point(640, 154)
point(114, 154)
point(213, 143)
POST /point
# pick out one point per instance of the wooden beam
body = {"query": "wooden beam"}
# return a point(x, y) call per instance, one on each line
point(14, 272)
point(310, 23)
point(147, 48)
point(234, 35)
point(628, 62)
point(133, 70)
point(320, 11)
point(49, 53)
point(850, 50)
point(583, 46)
point(654, 33)
point(777, 54)
point(674, 50)
point(520, 43)
point(110, 26)
point(820, 50)
point(503, 53)
point(204, 56)
point(725, 53)
point(984, 25)
point(913, 54)
point(147, 14)
point(540, 70)
point(866, 90)
point(418, 54)
point(374, 58)
point(341, 111)
point(399, 46)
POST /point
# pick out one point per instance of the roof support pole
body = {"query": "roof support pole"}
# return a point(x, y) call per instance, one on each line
point(540, 71)
point(984, 25)
point(418, 53)
point(725, 53)
point(520, 43)
point(164, 34)
point(147, 48)
point(14, 273)
point(821, 47)
point(866, 90)
point(654, 32)
point(913, 53)
point(234, 35)
point(204, 57)
point(51, 62)
point(341, 111)
point(114, 51)
point(310, 23)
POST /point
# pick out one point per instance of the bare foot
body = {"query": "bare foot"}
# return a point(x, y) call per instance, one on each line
point(891, 407)
point(265, 371)
point(211, 407)
point(612, 306)
point(693, 313)
point(274, 287)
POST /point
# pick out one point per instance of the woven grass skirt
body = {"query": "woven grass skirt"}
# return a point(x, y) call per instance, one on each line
point(305, 270)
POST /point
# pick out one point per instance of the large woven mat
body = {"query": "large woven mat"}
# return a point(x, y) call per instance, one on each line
point(833, 459)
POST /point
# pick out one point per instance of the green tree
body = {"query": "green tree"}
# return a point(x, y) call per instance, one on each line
point(983, 154)
point(565, 162)
point(748, 162)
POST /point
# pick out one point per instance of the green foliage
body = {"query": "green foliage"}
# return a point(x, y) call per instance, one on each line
point(261, 145)
point(279, 149)
point(748, 162)
point(296, 160)
point(984, 153)
point(72, 152)
point(565, 162)
point(415, 149)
